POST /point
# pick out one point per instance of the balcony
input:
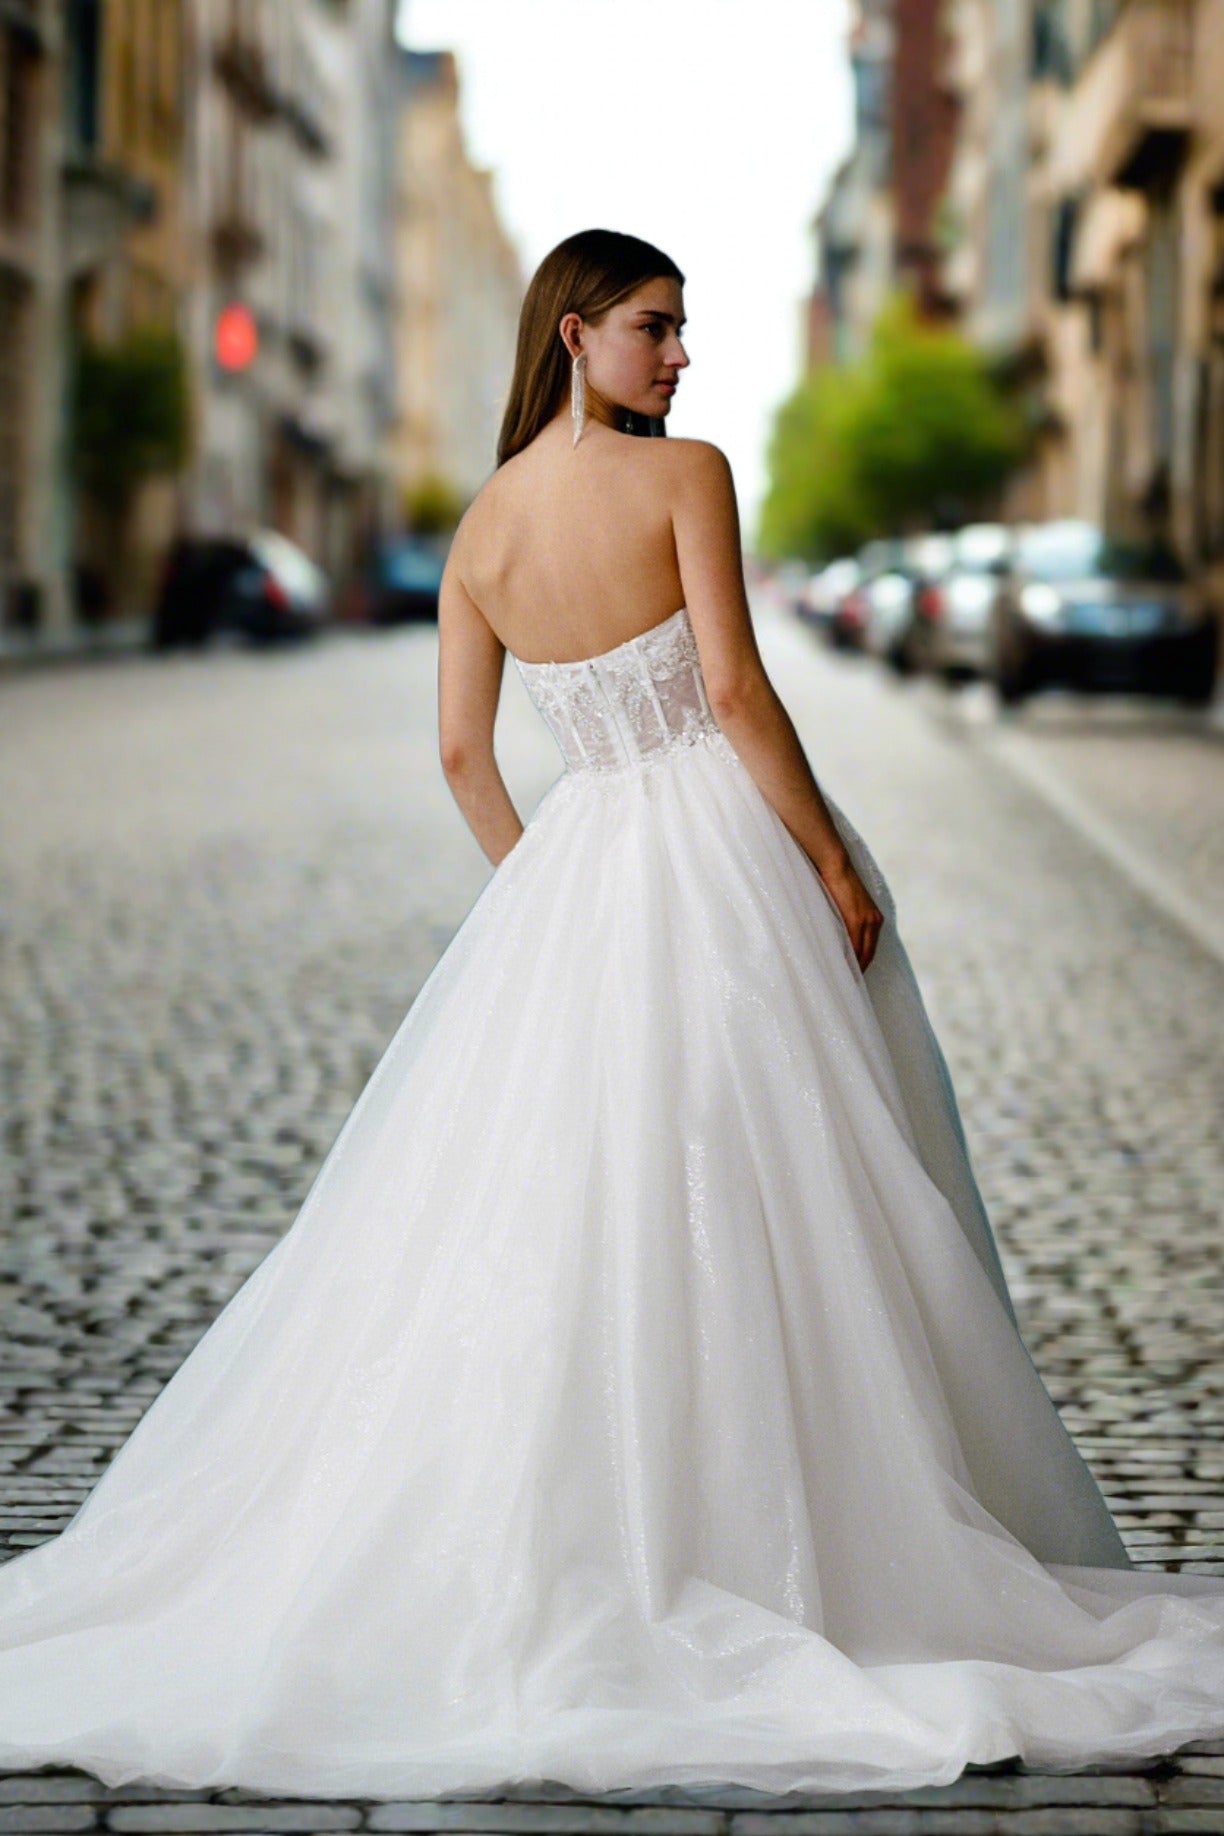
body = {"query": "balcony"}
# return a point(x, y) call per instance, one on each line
point(305, 116)
point(21, 17)
point(1105, 225)
point(236, 238)
point(306, 341)
point(243, 66)
point(1047, 106)
point(102, 201)
point(1128, 119)
point(1215, 265)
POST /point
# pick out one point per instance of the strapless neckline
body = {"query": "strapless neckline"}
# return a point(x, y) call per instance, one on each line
point(601, 656)
point(637, 701)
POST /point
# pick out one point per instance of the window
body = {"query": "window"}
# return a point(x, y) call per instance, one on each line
point(18, 128)
point(81, 88)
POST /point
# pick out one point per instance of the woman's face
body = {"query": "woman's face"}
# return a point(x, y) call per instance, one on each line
point(634, 354)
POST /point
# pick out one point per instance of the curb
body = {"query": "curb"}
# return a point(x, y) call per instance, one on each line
point(1152, 879)
point(125, 638)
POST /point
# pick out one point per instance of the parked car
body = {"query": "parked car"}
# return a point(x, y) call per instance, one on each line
point(1081, 610)
point(953, 614)
point(826, 591)
point(852, 616)
point(848, 623)
point(789, 582)
point(262, 586)
point(849, 620)
point(912, 567)
point(401, 580)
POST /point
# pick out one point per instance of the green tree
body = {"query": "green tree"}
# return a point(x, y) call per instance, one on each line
point(814, 504)
point(129, 421)
point(917, 432)
point(130, 417)
point(432, 506)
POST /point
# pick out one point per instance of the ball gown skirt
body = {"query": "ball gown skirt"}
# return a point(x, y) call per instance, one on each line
point(637, 1397)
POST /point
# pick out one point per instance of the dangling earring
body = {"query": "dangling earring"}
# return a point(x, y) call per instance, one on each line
point(578, 394)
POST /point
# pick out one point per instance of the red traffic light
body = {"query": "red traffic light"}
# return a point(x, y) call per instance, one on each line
point(236, 339)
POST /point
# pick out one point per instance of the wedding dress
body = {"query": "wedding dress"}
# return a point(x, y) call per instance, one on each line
point(637, 1397)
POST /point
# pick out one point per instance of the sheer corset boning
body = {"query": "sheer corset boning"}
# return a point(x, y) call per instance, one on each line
point(628, 705)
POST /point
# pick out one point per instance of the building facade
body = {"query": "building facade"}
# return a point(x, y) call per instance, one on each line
point(293, 160)
point(1101, 161)
point(855, 228)
point(1061, 196)
point(460, 290)
point(923, 111)
point(31, 52)
point(90, 246)
point(162, 161)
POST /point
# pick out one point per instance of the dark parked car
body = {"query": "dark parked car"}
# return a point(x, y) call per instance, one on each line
point(1080, 610)
point(262, 586)
point(401, 580)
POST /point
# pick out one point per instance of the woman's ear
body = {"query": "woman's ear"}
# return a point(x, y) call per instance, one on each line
point(570, 328)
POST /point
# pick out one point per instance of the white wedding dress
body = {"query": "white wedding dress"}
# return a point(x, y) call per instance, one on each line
point(636, 1398)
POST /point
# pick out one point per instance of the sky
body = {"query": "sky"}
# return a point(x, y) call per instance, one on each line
point(710, 127)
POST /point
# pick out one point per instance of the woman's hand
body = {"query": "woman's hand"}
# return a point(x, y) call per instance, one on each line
point(861, 915)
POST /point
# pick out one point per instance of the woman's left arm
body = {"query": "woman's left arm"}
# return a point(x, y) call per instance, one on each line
point(470, 662)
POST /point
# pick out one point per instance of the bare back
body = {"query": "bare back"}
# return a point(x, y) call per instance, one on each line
point(566, 554)
point(569, 551)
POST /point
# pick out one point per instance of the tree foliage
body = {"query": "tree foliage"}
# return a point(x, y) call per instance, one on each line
point(432, 505)
point(914, 434)
point(130, 414)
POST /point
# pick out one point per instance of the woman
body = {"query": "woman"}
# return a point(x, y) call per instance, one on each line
point(637, 1397)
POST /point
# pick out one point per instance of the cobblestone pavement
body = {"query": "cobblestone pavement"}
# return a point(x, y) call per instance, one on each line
point(226, 876)
point(1143, 778)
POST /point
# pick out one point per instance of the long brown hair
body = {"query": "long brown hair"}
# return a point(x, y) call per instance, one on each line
point(588, 273)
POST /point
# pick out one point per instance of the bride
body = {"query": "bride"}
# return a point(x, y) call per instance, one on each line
point(637, 1397)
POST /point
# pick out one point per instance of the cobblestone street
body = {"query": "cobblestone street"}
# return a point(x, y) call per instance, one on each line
point(225, 877)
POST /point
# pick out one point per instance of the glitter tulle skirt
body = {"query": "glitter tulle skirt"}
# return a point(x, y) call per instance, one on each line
point(635, 1399)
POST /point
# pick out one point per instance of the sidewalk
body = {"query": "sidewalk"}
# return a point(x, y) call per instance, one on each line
point(117, 637)
point(1141, 781)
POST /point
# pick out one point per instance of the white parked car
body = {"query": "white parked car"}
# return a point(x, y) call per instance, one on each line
point(827, 591)
point(895, 597)
point(954, 614)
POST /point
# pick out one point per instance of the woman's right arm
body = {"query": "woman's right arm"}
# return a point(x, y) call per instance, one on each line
point(705, 522)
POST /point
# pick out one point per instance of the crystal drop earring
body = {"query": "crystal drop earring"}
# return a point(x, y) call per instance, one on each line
point(578, 394)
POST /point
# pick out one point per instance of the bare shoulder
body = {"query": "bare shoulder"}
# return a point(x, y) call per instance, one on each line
point(485, 499)
point(702, 487)
point(699, 468)
point(475, 518)
point(694, 452)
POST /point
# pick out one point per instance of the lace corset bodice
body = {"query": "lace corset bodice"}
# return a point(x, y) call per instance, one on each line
point(628, 705)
